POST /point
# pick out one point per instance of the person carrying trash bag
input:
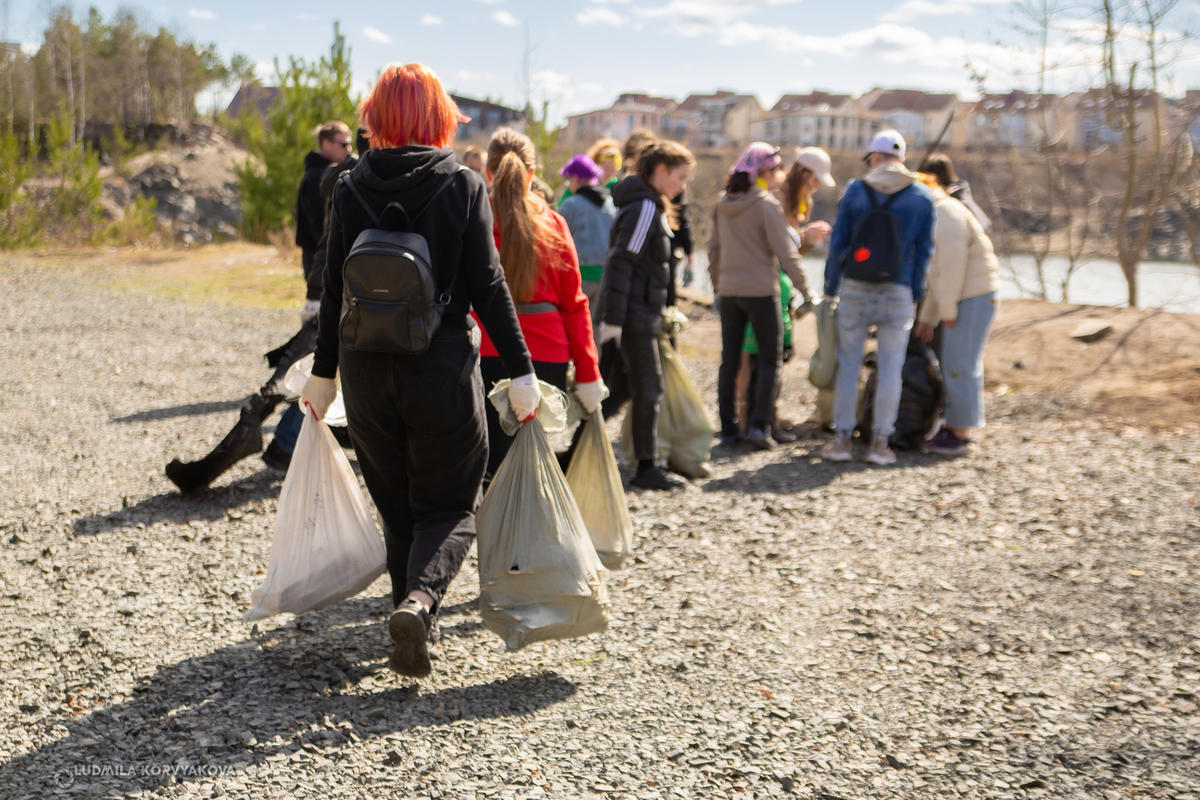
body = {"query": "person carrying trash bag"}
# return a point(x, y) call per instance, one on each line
point(539, 575)
point(633, 292)
point(410, 250)
point(541, 269)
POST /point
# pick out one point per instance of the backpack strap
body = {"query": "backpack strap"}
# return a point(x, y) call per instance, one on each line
point(892, 197)
point(871, 198)
point(362, 201)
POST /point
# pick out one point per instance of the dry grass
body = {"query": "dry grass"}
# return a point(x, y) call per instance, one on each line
point(235, 274)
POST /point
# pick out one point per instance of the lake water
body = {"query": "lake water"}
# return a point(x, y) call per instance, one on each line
point(1168, 285)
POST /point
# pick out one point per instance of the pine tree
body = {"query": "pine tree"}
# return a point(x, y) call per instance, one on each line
point(311, 93)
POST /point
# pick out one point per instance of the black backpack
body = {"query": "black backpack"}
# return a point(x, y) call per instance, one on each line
point(875, 253)
point(391, 302)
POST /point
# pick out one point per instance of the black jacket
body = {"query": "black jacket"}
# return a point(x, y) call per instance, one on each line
point(636, 272)
point(458, 229)
point(310, 210)
point(316, 276)
point(596, 195)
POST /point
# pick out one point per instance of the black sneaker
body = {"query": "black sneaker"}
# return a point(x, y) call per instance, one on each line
point(759, 439)
point(276, 457)
point(409, 628)
point(946, 443)
point(654, 478)
point(783, 435)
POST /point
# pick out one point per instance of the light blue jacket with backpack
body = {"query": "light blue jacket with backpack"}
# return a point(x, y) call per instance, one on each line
point(589, 214)
point(913, 211)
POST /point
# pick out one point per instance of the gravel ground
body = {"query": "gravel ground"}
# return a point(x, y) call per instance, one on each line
point(1021, 623)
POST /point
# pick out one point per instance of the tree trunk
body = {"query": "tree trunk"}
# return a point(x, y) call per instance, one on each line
point(1130, 269)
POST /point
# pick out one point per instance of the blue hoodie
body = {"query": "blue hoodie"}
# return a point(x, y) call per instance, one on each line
point(914, 210)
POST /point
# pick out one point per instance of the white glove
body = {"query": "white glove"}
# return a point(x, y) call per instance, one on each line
point(318, 394)
point(310, 309)
point(610, 333)
point(524, 396)
point(590, 394)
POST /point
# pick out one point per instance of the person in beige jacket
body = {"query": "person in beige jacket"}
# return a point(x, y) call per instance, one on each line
point(748, 245)
point(961, 295)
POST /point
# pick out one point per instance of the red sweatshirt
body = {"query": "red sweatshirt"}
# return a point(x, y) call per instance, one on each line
point(565, 335)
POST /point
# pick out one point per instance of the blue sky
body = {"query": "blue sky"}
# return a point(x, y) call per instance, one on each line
point(583, 52)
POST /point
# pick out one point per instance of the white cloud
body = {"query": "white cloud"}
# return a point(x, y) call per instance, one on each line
point(502, 17)
point(431, 19)
point(201, 13)
point(911, 10)
point(599, 15)
point(304, 16)
point(491, 2)
point(549, 81)
point(376, 35)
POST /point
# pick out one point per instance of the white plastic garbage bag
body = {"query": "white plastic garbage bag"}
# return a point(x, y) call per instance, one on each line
point(298, 374)
point(326, 547)
point(539, 575)
point(596, 484)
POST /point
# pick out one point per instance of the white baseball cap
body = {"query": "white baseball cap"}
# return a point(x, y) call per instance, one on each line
point(888, 141)
point(816, 161)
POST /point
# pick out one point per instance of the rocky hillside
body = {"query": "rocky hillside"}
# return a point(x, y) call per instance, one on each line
point(191, 180)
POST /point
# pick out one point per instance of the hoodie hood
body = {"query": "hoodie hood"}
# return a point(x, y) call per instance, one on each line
point(315, 160)
point(632, 189)
point(403, 173)
point(889, 177)
point(596, 195)
point(735, 204)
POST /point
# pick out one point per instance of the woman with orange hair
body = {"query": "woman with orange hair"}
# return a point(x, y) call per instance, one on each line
point(417, 420)
point(542, 272)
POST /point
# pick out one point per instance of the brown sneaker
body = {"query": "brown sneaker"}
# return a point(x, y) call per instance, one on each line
point(837, 450)
point(880, 453)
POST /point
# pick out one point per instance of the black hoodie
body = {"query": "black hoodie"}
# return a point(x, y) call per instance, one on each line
point(636, 272)
point(458, 228)
point(310, 208)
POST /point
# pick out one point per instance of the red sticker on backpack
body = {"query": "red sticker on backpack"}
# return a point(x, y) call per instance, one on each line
point(862, 254)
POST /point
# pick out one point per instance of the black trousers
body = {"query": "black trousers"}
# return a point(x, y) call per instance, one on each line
point(763, 315)
point(492, 369)
point(418, 428)
point(633, 373)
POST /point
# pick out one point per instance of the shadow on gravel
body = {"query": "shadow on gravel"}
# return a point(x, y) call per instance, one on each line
point(189, 410)
point(293, 688)
point(213, 504)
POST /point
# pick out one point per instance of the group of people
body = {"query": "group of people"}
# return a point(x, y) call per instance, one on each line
point(573, 293)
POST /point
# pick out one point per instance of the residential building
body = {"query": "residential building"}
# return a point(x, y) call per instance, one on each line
point(835, 122)
point(1017, 119)
point(486, 117)
point(630, 111)
point(1093, 119)
point(919, 116)
point(723, 119)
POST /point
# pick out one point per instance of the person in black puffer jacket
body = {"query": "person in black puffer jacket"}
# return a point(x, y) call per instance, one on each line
point(633, 292)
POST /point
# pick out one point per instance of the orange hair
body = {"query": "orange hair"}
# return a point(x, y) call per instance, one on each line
point(409, 106)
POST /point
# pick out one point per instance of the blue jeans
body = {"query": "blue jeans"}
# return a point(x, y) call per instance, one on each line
point(962, 360)
point(288, 427)
point(889, 307)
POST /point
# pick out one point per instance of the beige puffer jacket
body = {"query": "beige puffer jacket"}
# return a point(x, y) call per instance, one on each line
point(963, 265)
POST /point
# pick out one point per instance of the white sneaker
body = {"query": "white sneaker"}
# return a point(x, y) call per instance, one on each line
point(880, 453)
point(837, 450)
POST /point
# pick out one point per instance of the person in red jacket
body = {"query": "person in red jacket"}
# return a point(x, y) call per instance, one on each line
point(541, 269)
